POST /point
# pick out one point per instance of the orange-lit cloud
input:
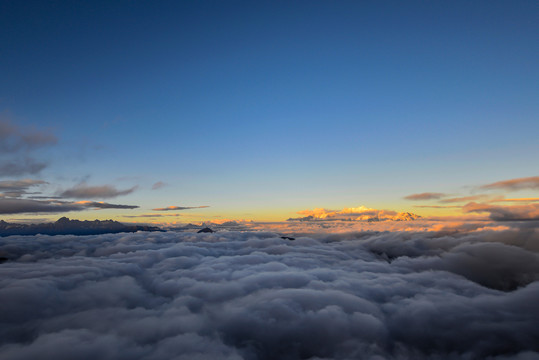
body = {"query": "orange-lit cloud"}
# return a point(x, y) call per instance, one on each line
point(360, 213)
point(518, 200)
point(178, 208)
point(152, 215)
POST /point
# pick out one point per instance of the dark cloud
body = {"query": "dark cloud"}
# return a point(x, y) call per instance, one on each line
point(515, 184)
point(158, 185)
point(19, 206)
point(505, 213)
point(254, 296)
point(178, 208)
point(425, 196)
point(83, 191)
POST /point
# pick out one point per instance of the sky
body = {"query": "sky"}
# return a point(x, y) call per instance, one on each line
point(268, 111)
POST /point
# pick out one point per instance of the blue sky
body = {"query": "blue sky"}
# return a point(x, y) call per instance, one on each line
point(261, 109)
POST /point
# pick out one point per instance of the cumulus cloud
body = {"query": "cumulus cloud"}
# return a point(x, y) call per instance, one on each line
point(83, 191)
point(515, 184)
point(18, 146)
point(18, 206)
point(158, 185)
point(425, 196)
point(253, 295)
point(178, 208)
point(505, 213)
point(360, 213)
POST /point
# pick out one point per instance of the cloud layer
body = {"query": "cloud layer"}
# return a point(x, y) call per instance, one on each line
point(256, 296)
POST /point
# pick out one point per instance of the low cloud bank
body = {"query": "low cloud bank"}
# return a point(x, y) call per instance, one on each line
point(253, 295)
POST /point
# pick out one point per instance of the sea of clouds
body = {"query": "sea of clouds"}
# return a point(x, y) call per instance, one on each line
point(254, 295)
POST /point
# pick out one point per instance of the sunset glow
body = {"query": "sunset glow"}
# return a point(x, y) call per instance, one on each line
point(269, 180)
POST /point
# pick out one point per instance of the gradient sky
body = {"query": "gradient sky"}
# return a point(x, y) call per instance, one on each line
point(263, 109)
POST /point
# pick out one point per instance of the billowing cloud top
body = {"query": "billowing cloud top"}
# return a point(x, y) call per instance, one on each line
point(257, 296)
point(360, 213)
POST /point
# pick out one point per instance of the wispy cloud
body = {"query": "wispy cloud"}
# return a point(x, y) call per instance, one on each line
point(14, 138)
point(22, 166)
point(18, 185)
point(517, 200)
point(178, 208)
point(515, 184)
point(425, 196)
point(159, 185)
point(438, 206)
point(152, 215)
point(83, 191)
point(466, 198)
point(505, 213)
point(17, 188)
point(18, 146)
point(19, 206)
point(104, 205)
